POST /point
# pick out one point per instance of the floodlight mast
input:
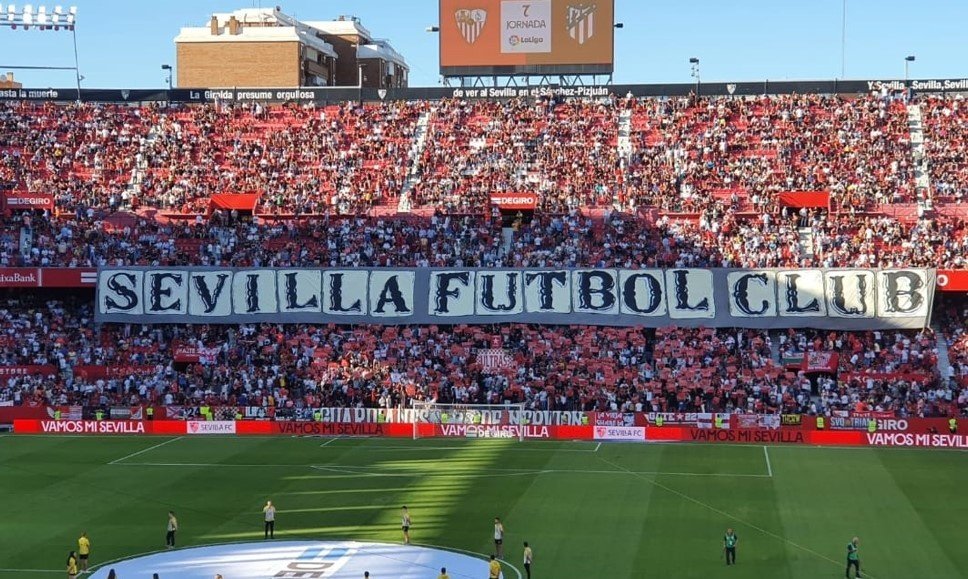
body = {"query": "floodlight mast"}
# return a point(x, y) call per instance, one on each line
point(43, 19)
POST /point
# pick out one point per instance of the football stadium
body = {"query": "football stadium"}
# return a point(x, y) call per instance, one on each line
point(303, 309)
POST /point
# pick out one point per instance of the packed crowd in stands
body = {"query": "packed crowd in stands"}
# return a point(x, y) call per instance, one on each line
point(744, 152)
point(682, 155)
point(571, 239)
point(301, 160)
point(547, 367)
point(946, 144)
point(697, 183)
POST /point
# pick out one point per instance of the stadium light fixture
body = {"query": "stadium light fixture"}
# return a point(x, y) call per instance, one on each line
point(40, 18)
point(694, 73)
point(433, 29)
point(619, 25)
point(167, 67)
point(907, 62)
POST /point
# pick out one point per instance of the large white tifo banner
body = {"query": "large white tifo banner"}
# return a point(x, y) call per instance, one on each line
point(854, 299)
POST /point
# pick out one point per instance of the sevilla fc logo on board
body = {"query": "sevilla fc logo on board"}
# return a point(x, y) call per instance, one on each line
point(581, 22)
point(470, 23)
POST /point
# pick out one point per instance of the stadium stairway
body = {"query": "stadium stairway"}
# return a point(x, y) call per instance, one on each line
point(806, 241)
point(133, 190)
point(775, 354)
point(26, 240)
point(944, 360)
point(624, 134)
point(413, 172)
point(922, 179)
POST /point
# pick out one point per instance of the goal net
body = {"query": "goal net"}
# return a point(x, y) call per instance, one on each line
point(468, 420)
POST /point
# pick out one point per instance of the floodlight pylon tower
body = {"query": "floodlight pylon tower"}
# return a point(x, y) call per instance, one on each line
point(40, 18)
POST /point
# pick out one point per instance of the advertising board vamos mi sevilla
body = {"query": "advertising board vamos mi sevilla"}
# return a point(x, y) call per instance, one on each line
point(492, 431)
point(959, 441)
point(92, 427)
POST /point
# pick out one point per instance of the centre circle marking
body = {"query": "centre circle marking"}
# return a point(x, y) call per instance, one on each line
point(330, 559)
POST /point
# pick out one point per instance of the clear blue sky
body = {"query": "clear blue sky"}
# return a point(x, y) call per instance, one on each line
point(123, 43)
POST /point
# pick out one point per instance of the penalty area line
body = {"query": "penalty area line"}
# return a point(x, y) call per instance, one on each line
point(134, 454)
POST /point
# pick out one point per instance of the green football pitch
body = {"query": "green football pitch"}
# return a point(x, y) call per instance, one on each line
point(589, 510)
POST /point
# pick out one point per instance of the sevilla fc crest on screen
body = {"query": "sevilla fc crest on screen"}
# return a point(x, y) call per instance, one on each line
point(470, 23)
point(581, 22)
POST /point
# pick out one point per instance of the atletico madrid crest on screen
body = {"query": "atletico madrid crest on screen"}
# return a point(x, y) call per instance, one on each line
point(581, 22)
point(471, 22)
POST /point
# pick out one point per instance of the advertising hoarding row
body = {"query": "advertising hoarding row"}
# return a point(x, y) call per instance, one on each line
point(927, 437)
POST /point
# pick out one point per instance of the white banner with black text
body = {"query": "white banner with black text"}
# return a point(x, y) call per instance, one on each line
point(848, 299)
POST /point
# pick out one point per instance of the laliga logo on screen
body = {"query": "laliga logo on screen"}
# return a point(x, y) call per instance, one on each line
point(471, 23)
point(514, 40)
point(581, 22)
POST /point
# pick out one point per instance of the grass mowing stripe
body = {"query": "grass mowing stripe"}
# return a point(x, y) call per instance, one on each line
point(140, 452)
point(728, 515)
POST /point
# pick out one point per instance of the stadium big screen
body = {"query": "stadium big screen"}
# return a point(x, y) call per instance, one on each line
point(518, 37)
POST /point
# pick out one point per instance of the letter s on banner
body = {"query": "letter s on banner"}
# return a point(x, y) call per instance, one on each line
point(119, 292)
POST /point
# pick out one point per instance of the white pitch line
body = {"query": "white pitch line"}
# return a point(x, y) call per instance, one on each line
point(597, 446)
point(383, 471)
point(134, 454)
point(722, 513)
point(769, 468)
point(392, 448)
point(330, 441)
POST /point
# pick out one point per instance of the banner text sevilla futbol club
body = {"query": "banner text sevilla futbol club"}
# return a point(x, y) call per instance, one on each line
point(849, 299)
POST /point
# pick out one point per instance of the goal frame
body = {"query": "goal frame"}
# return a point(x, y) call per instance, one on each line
point(480, 416)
